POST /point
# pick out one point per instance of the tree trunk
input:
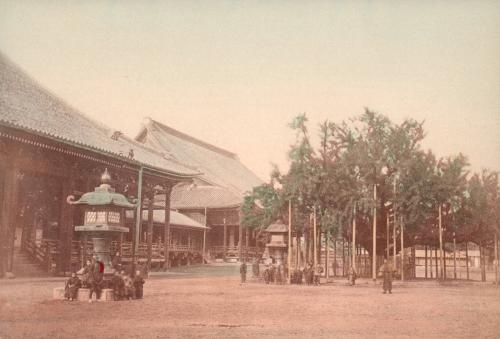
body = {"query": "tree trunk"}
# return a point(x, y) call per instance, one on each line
point(467, 258)
point(425, 262)
point(483, 263)
point(343, 257)
point(306, 238)
point(436, 262)
point(335, 257)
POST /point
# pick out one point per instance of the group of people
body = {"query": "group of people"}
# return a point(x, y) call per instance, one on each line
point(277, 273)
point(125, 286)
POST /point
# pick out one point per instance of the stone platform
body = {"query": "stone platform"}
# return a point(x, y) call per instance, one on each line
point(83, 294)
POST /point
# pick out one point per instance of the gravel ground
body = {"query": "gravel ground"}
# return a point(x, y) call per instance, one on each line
point(218, 306)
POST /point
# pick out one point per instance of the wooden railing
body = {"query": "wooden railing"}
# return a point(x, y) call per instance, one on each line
point(44, 253)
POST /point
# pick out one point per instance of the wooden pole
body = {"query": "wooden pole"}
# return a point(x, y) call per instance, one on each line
point(327, 244)
point(298, 250)
point(138, 217)
point(335, 256)
point(430, 263)
point(496, 258)
point(150, 232)
point(343, 256)
point(224, 238)
point(314, 238)
point(289, 240)
point(374, 245)
point(441, 259)
point(354, 238)
point(436, 262)
point(454, 257)
point(394, 241)
point(402, 249)
point(166, 228)
point(425, 261)
point(387, 254)
point(467, 258)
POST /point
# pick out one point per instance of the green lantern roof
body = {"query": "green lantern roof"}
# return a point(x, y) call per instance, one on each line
point(103, 195)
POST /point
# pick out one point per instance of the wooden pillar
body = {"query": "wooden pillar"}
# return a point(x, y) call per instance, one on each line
point(65, 228)
point(166, 228)
point(224, 246)
point(138, 219)
point(84, 249)
point(7, 227)
point(150, 230)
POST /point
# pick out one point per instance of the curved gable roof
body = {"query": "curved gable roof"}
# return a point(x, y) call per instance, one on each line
point(219, 167)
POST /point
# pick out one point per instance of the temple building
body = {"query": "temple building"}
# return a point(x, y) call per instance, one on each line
point(49, 151)
point(215, 197)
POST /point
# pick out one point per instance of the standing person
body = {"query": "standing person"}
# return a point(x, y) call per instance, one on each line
point(243, 272)
point(138, 285)
point(352, 276)
point(255, 268)
point(386, 271)
point(317, 274)
point(72, 286)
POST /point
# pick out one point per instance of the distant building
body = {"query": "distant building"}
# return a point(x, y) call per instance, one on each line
point(215, 197)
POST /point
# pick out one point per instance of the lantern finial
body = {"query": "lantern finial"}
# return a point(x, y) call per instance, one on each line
point(105, 177)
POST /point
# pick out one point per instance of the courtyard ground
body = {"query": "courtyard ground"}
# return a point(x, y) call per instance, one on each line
point(209, 302)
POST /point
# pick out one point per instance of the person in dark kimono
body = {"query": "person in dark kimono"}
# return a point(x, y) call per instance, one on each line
point(118, 286)
point(243, 272)
point(386, 271)
point(96, 278)
point(255, 268)
point(267, 275)
point(71, 288)
point(138, 285)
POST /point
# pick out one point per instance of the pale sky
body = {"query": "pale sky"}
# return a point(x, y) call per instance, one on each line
point(234, 73)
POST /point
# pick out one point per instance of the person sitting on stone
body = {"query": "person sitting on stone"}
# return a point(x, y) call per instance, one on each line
point(71, 288)
point(138, 282)
point(128, 286)
point(118, 286)
point(84, 274)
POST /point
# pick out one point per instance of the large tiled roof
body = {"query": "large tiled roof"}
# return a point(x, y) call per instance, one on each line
point(26, 105)
point(219, 167)
point(187, 196)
